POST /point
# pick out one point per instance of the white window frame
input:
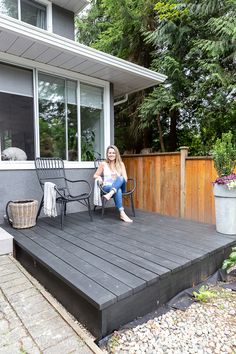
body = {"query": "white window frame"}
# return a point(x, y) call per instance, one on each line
point(36, 67)
point(48, 5)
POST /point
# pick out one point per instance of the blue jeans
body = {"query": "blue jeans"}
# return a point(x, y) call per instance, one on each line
point(118, 186)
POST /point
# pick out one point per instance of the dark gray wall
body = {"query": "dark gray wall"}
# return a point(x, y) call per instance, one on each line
point(23, 184)
point(63, 22)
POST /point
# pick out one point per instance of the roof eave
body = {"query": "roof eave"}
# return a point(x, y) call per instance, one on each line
point(134, 71)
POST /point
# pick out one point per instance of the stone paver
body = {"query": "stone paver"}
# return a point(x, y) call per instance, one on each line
point(29, 323)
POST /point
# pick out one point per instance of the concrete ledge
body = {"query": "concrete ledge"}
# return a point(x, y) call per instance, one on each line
point(6, 242)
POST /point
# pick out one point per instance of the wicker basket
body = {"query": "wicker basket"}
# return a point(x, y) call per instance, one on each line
point(22, 213)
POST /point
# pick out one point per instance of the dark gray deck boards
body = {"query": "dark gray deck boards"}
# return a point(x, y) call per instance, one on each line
point(117, 271)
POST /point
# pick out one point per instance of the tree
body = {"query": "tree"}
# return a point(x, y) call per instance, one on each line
point(193, 43)
point(195, 47)
point(117, 27)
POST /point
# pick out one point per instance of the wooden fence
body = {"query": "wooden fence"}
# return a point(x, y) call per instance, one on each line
point(174, 184)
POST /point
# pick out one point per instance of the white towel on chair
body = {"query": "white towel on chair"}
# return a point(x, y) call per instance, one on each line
point(97, 200)
point(50, 208)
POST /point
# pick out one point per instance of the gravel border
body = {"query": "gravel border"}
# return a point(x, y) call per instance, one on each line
point(204, 328)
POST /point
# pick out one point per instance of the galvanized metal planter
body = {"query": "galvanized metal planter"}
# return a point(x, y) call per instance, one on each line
point(225, 208)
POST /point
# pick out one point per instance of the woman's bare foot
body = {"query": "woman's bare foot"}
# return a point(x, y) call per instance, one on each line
point(125, 217)
point(109, 195)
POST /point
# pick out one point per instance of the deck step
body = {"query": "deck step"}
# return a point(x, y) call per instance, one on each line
point(6, 242)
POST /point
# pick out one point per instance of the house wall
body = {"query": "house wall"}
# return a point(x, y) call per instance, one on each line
point(23, 184)
point(63, 22)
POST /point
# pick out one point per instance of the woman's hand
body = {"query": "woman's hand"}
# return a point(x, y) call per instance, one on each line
point(97, 174)
point(100, 180)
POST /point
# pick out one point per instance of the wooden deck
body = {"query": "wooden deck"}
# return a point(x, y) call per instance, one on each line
point(107, 272)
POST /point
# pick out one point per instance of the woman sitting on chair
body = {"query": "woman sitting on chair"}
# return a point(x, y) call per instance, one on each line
point(114, 179)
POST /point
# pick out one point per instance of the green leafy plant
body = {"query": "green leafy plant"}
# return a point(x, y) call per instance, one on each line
point(87, 145)
point(204, 294)
point(224, 155)
point(113, 342)
point(231, 260)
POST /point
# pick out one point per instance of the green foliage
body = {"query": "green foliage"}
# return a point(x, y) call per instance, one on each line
point(170, 11)
point(204, 294)
point(193, 43)
point(87, 145)
point(195, 51)
point(224, 155)
point(231, 260)
point(113, 342)
point(116, 27)
point(52, 129)
point(90, 24)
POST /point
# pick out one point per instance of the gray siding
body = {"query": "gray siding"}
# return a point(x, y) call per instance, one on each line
point(63, 22)
point(23, 184)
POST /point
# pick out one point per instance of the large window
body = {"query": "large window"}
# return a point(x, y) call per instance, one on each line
point(17, 111)
point(29, 11)
point(52, 116)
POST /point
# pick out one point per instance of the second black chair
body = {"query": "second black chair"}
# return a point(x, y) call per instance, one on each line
point(130, 188)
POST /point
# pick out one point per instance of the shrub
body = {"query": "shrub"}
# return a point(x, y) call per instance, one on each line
point(224, 156)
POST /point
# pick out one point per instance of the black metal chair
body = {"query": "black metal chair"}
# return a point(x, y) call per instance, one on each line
point(130, 188)
point(52, 170)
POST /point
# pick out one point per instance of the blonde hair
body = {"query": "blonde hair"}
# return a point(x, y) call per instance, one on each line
point(118, 160)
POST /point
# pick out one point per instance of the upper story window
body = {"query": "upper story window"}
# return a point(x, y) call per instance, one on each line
point(36, 13)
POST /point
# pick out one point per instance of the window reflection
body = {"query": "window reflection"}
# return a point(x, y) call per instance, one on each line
point(16, 124)
point(58, 117)
point(31, 12)
point(52, 116)
point(92, 121)
point(9, 8)
point(16, 113)
point(72, 120)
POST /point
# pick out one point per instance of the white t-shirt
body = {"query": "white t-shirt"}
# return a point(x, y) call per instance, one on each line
point(109, 176)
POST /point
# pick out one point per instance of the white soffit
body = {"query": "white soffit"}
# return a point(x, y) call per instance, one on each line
point(25, 41)
point(72, 5)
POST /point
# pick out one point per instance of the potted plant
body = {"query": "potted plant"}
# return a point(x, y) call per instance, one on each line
point(224, 157)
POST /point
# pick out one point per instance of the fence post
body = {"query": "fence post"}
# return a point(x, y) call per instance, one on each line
point(183, 155)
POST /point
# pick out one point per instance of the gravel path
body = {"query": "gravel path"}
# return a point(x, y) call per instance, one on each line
point(205, 327)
